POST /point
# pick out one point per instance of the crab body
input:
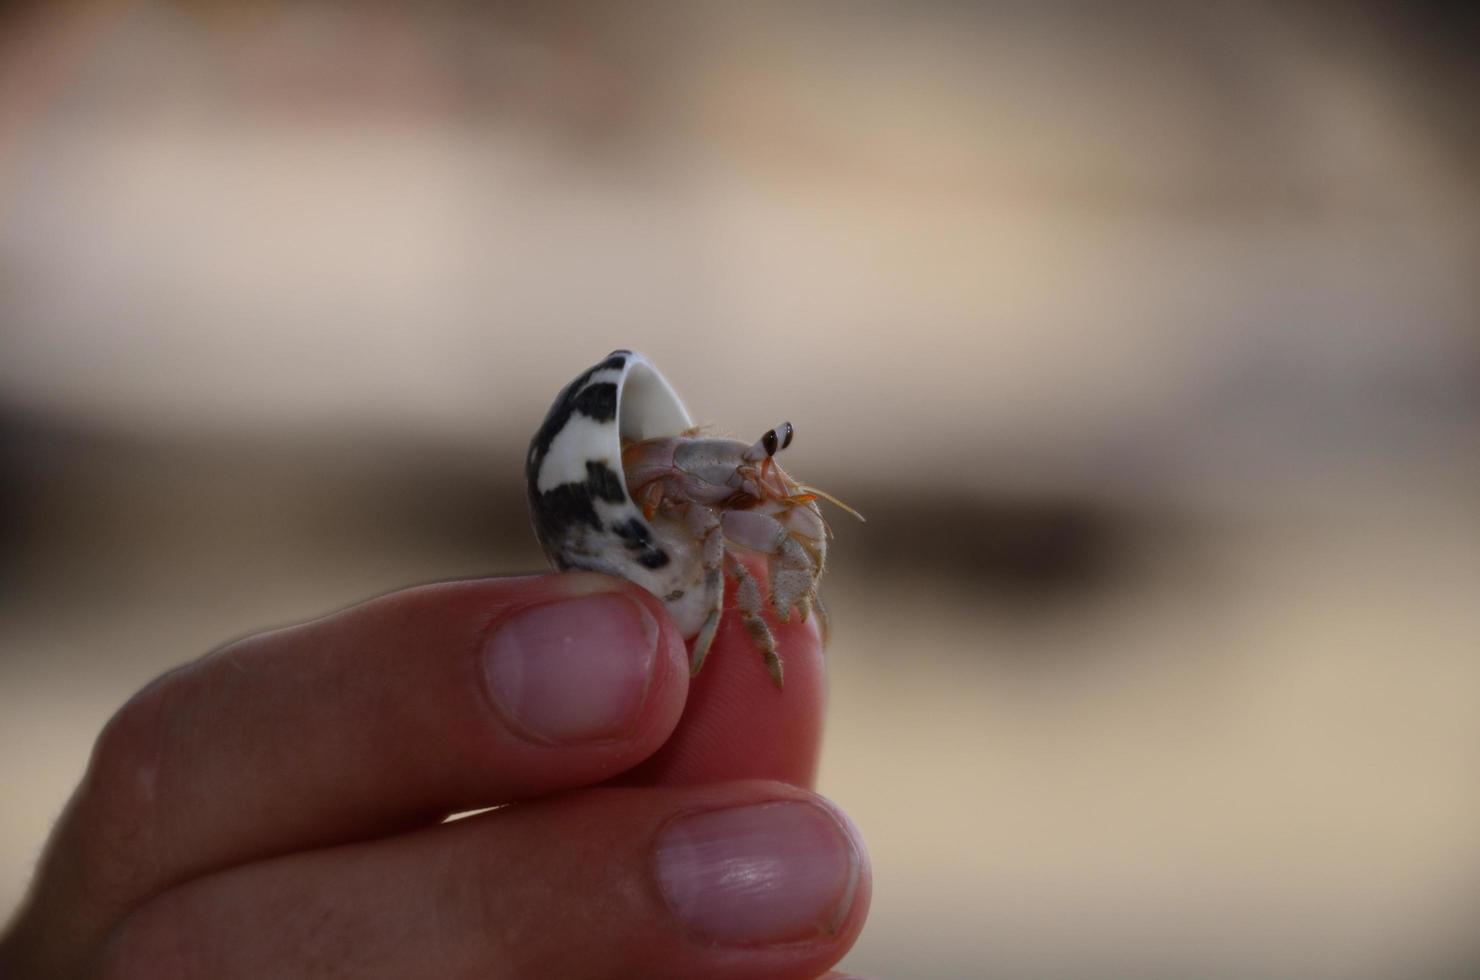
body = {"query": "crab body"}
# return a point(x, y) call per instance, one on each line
point(621, 482)
point(714, 498)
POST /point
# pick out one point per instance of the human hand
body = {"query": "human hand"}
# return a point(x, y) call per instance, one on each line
point(275, 808)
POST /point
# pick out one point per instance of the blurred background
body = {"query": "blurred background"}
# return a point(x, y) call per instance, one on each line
point(1146, 335)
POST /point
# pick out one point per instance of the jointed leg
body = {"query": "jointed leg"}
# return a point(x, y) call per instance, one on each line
point(793, 577)
point(706, 521)
point(824, 621)
point(749, 602)
point(793, 570)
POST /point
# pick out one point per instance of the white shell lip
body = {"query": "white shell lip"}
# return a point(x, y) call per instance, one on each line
point(647, 405)
point(582, 512)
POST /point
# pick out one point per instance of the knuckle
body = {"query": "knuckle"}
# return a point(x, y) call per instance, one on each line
point(123, 774)
point(117, 803)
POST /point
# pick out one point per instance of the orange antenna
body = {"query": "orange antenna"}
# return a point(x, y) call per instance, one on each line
point(835, 502)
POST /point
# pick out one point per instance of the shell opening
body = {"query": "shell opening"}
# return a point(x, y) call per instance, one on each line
point(647, 406)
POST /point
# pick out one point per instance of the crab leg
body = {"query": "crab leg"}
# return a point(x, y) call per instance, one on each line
point(705, 522)
point(748, 601)
point(808, 527)
point(793, 571)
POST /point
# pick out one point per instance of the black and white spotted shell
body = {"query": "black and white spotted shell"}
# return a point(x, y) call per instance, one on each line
point(578, 498)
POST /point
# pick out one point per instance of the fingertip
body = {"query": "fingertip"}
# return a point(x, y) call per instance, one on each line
point(585, 658)
point(852, 921)
point(737, 724)
point(672, 646)
point(771, 872)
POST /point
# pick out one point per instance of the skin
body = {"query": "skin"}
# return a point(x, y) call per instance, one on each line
point(275, 809)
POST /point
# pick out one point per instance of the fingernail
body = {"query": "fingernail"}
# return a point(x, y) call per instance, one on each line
point(769, 873)
point(573, 670)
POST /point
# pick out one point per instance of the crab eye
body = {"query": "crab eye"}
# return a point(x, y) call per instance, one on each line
point(768, 442)
point(786, 434)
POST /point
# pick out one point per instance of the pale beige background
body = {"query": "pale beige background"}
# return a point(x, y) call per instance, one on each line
point(1145, 335)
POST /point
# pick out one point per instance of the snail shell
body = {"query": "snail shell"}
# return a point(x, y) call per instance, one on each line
point(578, 498)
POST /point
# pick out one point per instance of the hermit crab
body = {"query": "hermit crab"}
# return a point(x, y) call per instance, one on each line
point(621, 481)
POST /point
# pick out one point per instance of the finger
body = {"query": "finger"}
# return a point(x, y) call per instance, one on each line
point(387, 714)
point(733, 881)
point(737, 724)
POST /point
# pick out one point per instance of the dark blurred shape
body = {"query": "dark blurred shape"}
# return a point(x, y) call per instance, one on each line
point(94, 512)
point(1033, 551)
point(14, 472)
point(113, 495)
point(1436, 41)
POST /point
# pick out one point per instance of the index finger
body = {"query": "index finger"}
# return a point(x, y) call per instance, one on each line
point(737, 724)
